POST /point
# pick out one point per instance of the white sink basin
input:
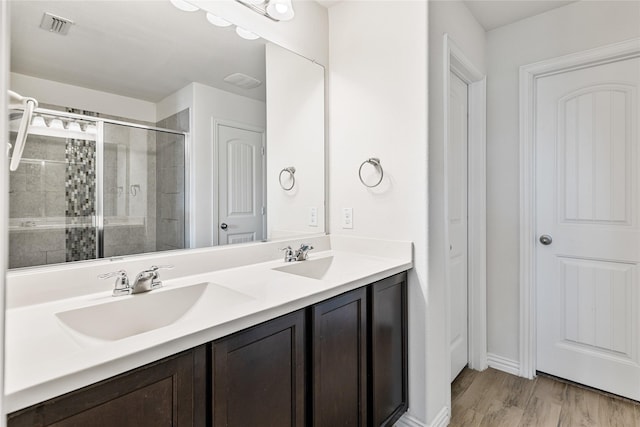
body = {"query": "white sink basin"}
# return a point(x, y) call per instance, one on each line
point(314, 269)
point(134, 314)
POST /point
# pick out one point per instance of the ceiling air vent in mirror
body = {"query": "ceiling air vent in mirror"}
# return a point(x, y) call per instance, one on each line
point(55, 24)
point(242, 80)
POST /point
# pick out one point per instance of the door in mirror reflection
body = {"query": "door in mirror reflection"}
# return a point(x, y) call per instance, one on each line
point(241, 185)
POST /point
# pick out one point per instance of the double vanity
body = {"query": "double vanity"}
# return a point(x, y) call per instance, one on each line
point(233, 336)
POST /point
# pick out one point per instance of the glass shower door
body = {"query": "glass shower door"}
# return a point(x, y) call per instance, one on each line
point(143, 192)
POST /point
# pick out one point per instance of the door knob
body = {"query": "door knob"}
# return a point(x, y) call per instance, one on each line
point(545, 239)
point(224, 226)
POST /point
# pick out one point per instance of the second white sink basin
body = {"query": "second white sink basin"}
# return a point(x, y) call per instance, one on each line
point(314, 269)
point(134, 314)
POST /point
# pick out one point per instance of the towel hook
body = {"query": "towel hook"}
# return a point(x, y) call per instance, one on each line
point(376, 164)
point(291, 171)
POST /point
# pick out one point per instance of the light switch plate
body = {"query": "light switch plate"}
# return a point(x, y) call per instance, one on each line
point(347, 217)
point(313, 216)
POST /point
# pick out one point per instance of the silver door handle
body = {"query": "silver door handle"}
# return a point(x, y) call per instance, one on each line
point(545, 239)
point(224, 226)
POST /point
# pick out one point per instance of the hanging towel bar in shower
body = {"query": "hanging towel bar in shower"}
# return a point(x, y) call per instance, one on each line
point(27, 104)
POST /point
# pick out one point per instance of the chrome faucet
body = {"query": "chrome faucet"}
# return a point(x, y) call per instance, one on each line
point(145, 281)
point(303, 253)
point(298, 255)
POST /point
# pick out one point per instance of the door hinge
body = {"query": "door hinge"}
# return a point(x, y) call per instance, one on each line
point(262, 150)
point(263, 210)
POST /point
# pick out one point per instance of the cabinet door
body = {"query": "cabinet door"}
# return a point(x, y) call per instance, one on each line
point(259, 375)
point(168, 393)
point(388, 319)
point(340, 361)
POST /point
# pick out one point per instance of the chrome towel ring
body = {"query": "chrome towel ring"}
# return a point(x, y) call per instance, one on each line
point(291, 171)
point(376, 164)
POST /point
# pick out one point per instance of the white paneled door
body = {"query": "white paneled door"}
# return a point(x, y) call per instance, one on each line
point(588, 248)
point(240, 186)
point(457, 147)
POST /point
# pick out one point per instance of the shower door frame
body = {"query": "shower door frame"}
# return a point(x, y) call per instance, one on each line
point(100, 122)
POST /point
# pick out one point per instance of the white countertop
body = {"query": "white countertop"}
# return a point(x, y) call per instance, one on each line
point(44, 358)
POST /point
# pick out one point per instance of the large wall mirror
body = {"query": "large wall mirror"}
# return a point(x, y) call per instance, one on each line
point(157, 130)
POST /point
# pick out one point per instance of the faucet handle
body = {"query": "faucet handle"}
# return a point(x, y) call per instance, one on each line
point(121, 286)
point(155, 283)
point(289, 254)
point(161, 267)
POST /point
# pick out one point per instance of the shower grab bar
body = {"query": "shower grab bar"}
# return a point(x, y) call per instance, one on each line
point(28, 104)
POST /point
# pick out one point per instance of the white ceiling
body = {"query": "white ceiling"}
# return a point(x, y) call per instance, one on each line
point(142, 49)
point(492, 14)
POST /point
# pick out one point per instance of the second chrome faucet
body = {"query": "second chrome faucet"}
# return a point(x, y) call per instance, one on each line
point(298, 255)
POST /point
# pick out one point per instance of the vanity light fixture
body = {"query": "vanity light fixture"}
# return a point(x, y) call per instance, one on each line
point(276, 10)
point(280, 9)
point(217, 21)
point(183, 5)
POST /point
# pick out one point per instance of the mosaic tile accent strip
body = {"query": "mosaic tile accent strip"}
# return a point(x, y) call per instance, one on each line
point(80, 193)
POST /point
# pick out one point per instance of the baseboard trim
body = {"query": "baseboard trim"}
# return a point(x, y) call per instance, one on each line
point(503, 364)
point(442, 419)
point(408, 421)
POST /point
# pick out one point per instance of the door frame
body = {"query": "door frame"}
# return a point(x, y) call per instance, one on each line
point(457, 61)
point(215, 178)
point(529, 75)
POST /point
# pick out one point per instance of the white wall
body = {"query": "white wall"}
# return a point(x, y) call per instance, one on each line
point(378, 108)
point(209, 104)
point(51, 92)
point(572, 28)
point(295, 137)
point(452, 18)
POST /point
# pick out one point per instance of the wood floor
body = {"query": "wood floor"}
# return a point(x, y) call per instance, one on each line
point(496, 399)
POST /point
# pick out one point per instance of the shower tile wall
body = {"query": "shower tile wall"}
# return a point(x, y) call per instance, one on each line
point(80, 200)
point(170, 183)
point(36, 196)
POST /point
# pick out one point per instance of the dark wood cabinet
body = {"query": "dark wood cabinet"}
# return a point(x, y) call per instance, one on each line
point(171, 392)
point(388, 350)
point(339, 360)
point(259, 375)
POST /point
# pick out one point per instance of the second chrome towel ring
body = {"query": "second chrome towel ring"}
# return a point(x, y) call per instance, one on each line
point(291, 172)
point(376, 164)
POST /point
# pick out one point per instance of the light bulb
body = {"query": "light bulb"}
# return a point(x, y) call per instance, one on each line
point(217, 21)
point(91, 129)
point(74, 126)
point(246, 34)
point(184, 6)
point(56, 124)
point(38, 121)
point(280, 9)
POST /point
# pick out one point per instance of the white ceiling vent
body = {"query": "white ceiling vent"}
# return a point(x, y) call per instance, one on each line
point(55, 24)
point(242, 80)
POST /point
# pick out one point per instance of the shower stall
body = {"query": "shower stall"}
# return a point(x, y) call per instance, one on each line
point(89, 187)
